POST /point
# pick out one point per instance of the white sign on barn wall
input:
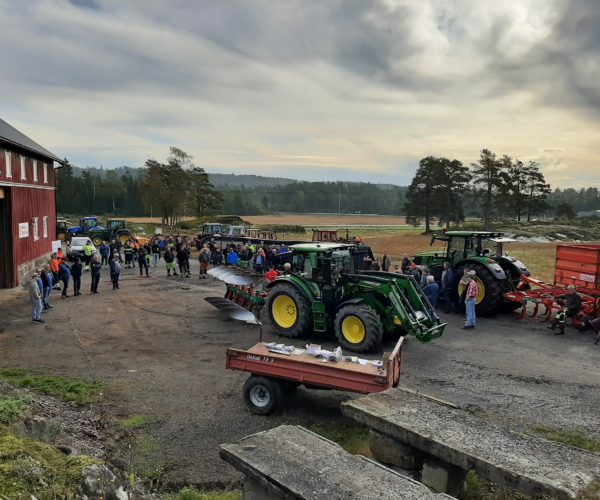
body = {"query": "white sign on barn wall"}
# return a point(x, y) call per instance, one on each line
point(590, 278)
point(23, 229)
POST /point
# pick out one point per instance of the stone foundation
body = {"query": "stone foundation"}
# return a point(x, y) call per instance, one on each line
point(25, 270)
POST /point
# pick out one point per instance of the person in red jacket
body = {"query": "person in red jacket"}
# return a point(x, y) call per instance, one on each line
point(271, 275)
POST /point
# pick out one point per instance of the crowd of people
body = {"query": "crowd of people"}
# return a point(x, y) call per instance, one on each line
point(459, 292)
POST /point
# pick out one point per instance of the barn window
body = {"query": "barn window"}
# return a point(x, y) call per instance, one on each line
point(45, 226)
point(23, 171)
point(45, 173)
point(35, 173)
point(7, 157)
point(34, 224)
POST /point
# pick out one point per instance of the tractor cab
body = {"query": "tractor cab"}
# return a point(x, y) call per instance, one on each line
point(114, 225)
point(211, 229)
point(321, 261)
point(87, 223)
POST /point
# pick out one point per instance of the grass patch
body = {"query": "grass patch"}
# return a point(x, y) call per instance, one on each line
point(32, 468)
point(80, 391)
point(135, 422)
point(476, 488)
point(13, 408)
point(571, 438)
point(194, 494)
point(353, 438)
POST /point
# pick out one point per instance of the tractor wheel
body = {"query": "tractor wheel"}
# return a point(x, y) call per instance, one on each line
point(289, 311)
point(490, 298)
point(62, 236)
point(97, 240)
point(262, 395)
point(358, 328)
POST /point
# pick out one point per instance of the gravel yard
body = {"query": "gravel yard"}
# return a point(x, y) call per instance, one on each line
point(160, 347)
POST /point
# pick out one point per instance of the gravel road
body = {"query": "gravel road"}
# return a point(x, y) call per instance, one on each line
point(160, 348)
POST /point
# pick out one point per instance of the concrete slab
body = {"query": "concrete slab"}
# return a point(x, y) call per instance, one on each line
point(293, 462)
point(528, 464)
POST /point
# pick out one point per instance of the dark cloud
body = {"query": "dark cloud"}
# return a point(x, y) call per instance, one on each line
point(563, 68)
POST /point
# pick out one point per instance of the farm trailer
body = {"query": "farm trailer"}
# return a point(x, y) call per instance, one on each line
point(274, 374)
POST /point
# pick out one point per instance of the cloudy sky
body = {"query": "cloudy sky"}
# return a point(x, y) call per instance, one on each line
point(311, 89)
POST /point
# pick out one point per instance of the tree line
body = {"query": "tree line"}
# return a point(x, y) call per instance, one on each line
point(493, 188)
point(442, 189)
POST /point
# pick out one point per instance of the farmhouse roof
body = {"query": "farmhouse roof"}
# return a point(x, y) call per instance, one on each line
point(12, 136)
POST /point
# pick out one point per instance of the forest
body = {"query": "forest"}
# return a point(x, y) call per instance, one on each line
point(177, 187)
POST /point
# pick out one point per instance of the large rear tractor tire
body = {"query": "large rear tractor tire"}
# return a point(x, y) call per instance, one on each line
point(262, 395)
point(490, 298)
point(123, 235)
point(358, 328)
point(289, 311)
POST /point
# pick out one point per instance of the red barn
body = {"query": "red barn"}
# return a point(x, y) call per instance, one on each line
point(27, 205)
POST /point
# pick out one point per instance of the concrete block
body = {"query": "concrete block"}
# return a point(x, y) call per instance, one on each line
point(530, 465)
point(303, 465)
point(391, 452)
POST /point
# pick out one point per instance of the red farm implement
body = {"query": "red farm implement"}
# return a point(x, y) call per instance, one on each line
point(577, 265)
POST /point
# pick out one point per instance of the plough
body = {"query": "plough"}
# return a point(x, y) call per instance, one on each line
point(546, 299)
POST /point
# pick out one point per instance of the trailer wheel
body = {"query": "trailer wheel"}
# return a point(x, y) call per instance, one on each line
point(358, 328)
point(289, 311)
point(262, 395)
point(97, 240)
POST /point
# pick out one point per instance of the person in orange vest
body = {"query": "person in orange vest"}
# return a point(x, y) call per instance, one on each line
point(59, 255)
point(54, 263)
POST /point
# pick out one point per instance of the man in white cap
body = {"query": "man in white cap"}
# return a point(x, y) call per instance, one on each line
point(35, 294)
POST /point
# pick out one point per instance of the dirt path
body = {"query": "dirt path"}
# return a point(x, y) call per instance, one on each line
point(160, 348)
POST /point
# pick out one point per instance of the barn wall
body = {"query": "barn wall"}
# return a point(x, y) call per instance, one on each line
point(26, 204)
point(31, 197)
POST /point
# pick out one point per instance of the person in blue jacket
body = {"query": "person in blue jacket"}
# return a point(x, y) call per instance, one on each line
point(431, 290)
point(232, 258)
point(104, 253)
point(64, 275)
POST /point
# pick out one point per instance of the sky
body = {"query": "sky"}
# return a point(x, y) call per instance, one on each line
point(309, 89)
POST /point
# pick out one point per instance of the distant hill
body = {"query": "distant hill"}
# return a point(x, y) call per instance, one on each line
point(247, 181)
point(220, 181)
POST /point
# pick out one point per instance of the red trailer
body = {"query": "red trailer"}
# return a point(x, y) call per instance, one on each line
point(274, 373)
point(578, 265)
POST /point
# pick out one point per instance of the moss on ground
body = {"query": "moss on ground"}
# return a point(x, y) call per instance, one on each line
point(194, 494)
point(13, 408)
point(32, 468)
point(571, 438)
point(135, 422)
point(352, 437)
point(80, 391)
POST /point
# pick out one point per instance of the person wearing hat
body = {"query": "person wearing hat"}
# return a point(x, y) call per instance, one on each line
point(470, 300)
point(35, 294)
point(572, 306)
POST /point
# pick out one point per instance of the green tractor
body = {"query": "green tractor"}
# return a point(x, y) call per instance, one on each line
point(115, 229)
point(326, 290)
point(481, 251)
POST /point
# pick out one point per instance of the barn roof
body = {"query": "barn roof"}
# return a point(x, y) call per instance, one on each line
point(12, 136)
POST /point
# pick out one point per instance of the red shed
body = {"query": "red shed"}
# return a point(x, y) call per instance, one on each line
point(27, 205)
